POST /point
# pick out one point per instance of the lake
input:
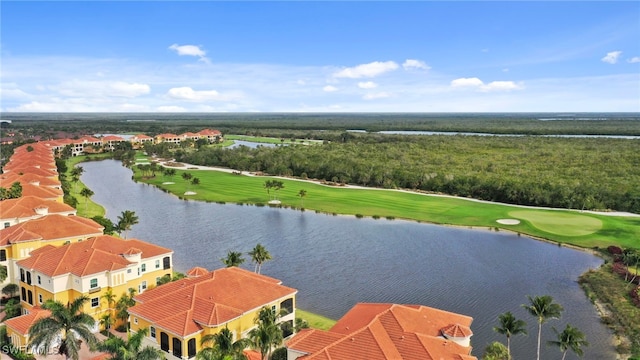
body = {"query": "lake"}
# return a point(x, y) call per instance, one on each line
point(337, 261)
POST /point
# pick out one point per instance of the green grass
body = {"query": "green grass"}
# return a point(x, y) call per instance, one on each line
point(315, 321)
point(563, 226)
point(86, 207)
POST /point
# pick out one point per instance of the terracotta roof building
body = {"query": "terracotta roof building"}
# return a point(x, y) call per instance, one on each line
point(179, 313)
point(387, 331)
point(25, 208)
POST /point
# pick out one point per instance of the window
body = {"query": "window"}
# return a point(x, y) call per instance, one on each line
point(21, 275)
point(28, 277)
point(135, 320)
point(40, 298)
point(166, 263)
point(152, 330)
point(95, 302)
point(273, 309)
point(39, 280)
point(143, 267)
point(3, 255)
point(157, 263)
point(6, 225)
point(30, 297)
point(24, 293)
point(94, 283)
point(128, 271)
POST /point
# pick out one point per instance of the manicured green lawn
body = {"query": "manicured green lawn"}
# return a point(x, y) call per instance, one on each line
point(86, 207)
point(571, 227)
point(315, 321)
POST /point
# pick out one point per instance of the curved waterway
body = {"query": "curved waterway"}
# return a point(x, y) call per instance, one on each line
point(337, 261)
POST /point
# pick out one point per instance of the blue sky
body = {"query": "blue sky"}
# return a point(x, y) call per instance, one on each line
point(328, 56)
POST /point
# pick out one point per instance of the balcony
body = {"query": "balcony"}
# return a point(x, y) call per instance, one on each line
point(95, 290)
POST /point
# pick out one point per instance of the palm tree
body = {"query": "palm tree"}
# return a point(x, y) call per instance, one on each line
point(233, 259)
point(3, 273)
point(267, 334)
point(126, 221)
point(130, 349)
point(302, 193)
point(67, 321)
point(569, 339)
point(124, 303)
point(510, 326)
point(76, 172)
point(268, 185)
point(87, 193)
point(222, 347)
point(110, 297)
point(543, 308)
point(259, 255)
point(195, 181)
point(496, 351)
point(107, 320)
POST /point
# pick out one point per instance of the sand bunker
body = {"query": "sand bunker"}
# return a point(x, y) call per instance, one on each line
point(508, 221)
point(189, 193)
point(275, 202)
point(168, 183)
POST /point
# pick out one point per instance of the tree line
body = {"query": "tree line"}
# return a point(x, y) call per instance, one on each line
point(568, 173)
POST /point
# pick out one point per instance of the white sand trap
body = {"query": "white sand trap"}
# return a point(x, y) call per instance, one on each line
point(190, 193)
point(508, 221)
point(168, 183)
point(275, 202)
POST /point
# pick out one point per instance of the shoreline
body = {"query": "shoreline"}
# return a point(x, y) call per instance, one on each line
point(614, 338)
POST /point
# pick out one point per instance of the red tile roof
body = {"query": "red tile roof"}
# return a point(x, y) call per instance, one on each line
point(209, 132)
point(41, 191)
point(26, 207)
point(29, 169)
point(50, 227)
point(386, 331)
point(113, 138)
point(38, 180)
point(91, 256)
point(21, 324)
point(197, 271)
point(184, 306)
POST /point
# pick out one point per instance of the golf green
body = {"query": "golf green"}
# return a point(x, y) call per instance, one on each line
point(559, 223)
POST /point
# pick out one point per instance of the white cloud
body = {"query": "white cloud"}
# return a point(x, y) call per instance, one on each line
point(411, 64)
point(330, 88)
point(501, 86)
point(90, 88)
point(379, 95)
point(467, 82)
point(170, 108)
point(478, 84)
point(367, 85)
point(187, 93)
point(635, 59)
point(612, 57)
point(505, 70)
point(372, 69)
point(190, 50)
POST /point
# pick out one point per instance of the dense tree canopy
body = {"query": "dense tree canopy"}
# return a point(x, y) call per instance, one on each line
point(541, 171)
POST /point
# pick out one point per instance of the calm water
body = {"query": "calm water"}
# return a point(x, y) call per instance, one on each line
point(337, 261)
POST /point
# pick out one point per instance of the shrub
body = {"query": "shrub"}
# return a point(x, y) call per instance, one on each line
point(359, 216)
point(391, 217)
point(376, 217)
point(279, 354)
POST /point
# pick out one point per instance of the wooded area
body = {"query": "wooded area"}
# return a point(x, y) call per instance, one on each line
point(582, 173)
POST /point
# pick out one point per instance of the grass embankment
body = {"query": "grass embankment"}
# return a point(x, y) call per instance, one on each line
point(314, 320)
point(86, 207)
point(563, 226)
point(620, 315)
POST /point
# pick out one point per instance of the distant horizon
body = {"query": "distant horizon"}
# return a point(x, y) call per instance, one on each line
point(320, 56)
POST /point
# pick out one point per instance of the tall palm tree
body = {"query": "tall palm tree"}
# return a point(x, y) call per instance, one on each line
point(126, 220)
point(110, 297)
point(222, 347)
point(543, 308)
point(233, 259)
point(130, 349)
point(123, 304)
point(86, 193)
point(259, 255)
point(569, 339)
point(67, 321)
point(267, 334)
point(510, 326)
point(76, 172)
point(302, 193)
